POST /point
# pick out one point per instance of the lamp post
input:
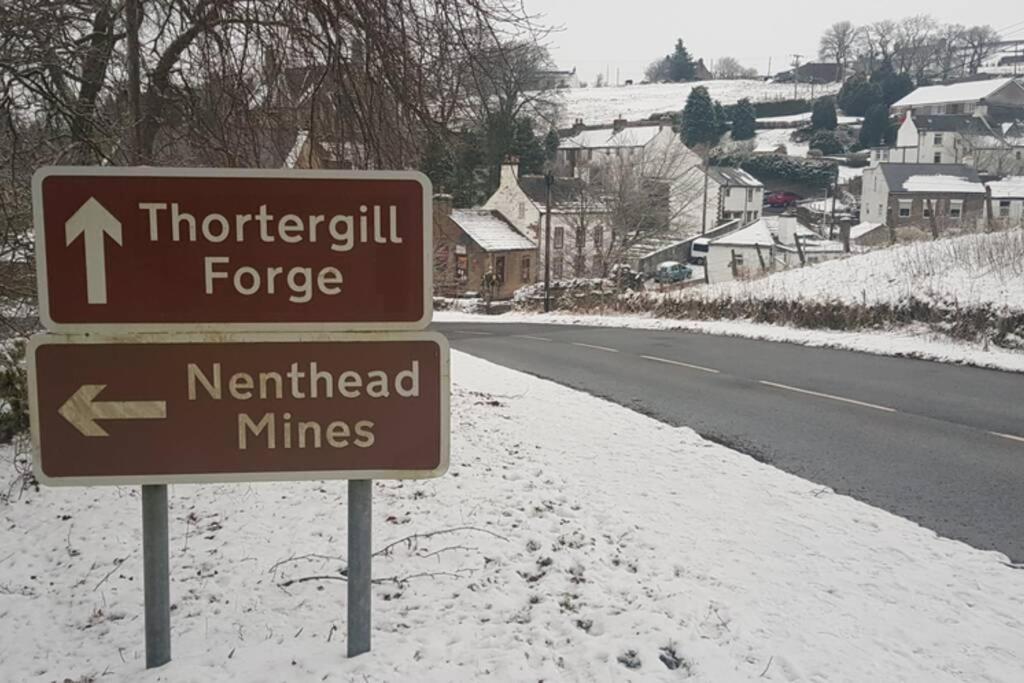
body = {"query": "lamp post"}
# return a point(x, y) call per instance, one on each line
point(549, 181)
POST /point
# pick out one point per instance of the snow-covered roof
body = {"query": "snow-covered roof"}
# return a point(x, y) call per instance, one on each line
point(733, 177)
point(941, 183)
point(490, 231)
point(861, 229)
point(971, 91)
point(754, 234)
point(601, 138)
point(1010, 187)
point(931, 178)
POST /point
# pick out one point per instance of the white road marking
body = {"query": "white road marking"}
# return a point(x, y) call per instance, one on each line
point(526, 336)
point(482, 334)
point(594, 346)
point(1011, 437)
point(679, 362)
point(828, 396)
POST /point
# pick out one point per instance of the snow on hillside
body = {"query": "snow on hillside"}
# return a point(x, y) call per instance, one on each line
point(636, 102)
point(969, 270)
point(585, 543)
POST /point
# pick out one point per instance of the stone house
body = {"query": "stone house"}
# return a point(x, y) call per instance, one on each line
point(1007, 201)
point(949, 197)
point(469, 243)
point(580, 223)
point(971, 139)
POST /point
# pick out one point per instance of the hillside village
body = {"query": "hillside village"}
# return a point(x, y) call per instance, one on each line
point(873, 159)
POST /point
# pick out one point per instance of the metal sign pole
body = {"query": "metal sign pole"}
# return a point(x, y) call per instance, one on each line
point(156, 575)
point(360, 501)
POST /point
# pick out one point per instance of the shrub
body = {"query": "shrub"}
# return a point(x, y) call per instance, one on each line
point(13, 391)
point(827, 142)
point(823, 116)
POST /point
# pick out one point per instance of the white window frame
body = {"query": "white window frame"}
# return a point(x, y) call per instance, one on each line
point(957, 206)
point(905, 205)
point(1004, 208)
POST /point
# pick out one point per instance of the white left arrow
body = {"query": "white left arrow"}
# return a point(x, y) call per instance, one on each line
point(82, 410)
point(94, 221)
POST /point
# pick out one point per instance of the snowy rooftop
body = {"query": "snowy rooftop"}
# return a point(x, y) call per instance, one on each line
point(735, 177)
point(957, 92)
point(599, 138)
point(941, 183)
point(1013, 186)
point(861, 229)
point(490, 231)
point(754, 234)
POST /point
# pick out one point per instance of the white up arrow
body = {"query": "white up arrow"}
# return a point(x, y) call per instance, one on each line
point(94, 221)
point(82, 410)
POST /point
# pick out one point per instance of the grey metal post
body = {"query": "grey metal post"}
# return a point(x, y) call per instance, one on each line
point(360, 524)
point(156, 575)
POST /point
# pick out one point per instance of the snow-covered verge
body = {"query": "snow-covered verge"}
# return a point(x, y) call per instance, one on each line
point(981, 269)
point(588, 543)
point(908, 342)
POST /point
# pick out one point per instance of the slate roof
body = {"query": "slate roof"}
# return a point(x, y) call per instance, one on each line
point(490, 230)
point(733, 177)
point(604, 138)
point(897, 175)
point(564, 191)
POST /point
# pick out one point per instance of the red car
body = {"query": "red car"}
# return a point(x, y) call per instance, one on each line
point(780, 200)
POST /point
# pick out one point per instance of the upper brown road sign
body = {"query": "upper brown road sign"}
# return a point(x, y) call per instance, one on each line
point(159, 409)
point(156, 249)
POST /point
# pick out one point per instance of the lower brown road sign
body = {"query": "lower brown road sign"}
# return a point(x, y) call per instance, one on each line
point(157, 409)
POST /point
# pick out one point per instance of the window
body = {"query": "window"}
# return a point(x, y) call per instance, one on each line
point(598, 236)
point(750, 194)
point(524, 269)
point(956, 208)
point(559, 237)
point(905, 206)
point(937, 158)
point(556, 268)
point(1004, 208)
point(926, 209)
point(522, 209)
point(737, 259)
point(751, 216)
point(938, 138)
point(499, 268)
point(881, 210)
point(1019, 155)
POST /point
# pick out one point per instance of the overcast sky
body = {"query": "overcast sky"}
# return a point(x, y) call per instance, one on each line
point(629, 34)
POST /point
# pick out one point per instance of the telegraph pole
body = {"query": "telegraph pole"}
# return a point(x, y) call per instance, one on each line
point(796, 75)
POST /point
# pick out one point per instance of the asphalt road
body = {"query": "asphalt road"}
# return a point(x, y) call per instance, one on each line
point(939, 444)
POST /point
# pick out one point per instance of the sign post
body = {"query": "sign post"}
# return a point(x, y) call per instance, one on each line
point(156, 575)
point(360, 553)
point(247, 283)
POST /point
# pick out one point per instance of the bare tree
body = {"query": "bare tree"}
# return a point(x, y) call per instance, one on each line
point(949, 50)
point(729, 68)
point(915, 45)
point(837, 44)
point(980, 42)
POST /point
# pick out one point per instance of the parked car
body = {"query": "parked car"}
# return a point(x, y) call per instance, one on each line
point(672, 271)
point(780, 200)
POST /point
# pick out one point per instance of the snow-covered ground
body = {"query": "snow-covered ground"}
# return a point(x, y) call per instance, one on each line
point(770, 139)
point(585, 543)
point(634, 102)
point(969, 270)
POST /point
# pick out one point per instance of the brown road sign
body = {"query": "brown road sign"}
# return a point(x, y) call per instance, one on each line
point(159, 409)
point(156, 249)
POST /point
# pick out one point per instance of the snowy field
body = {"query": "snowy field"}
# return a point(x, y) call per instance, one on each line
point(587, 543)
point(635, 102)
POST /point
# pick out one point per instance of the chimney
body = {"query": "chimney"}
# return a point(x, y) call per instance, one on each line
point(619, 124)
point(442, 205)
point(509, 170)
point(577, 126)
